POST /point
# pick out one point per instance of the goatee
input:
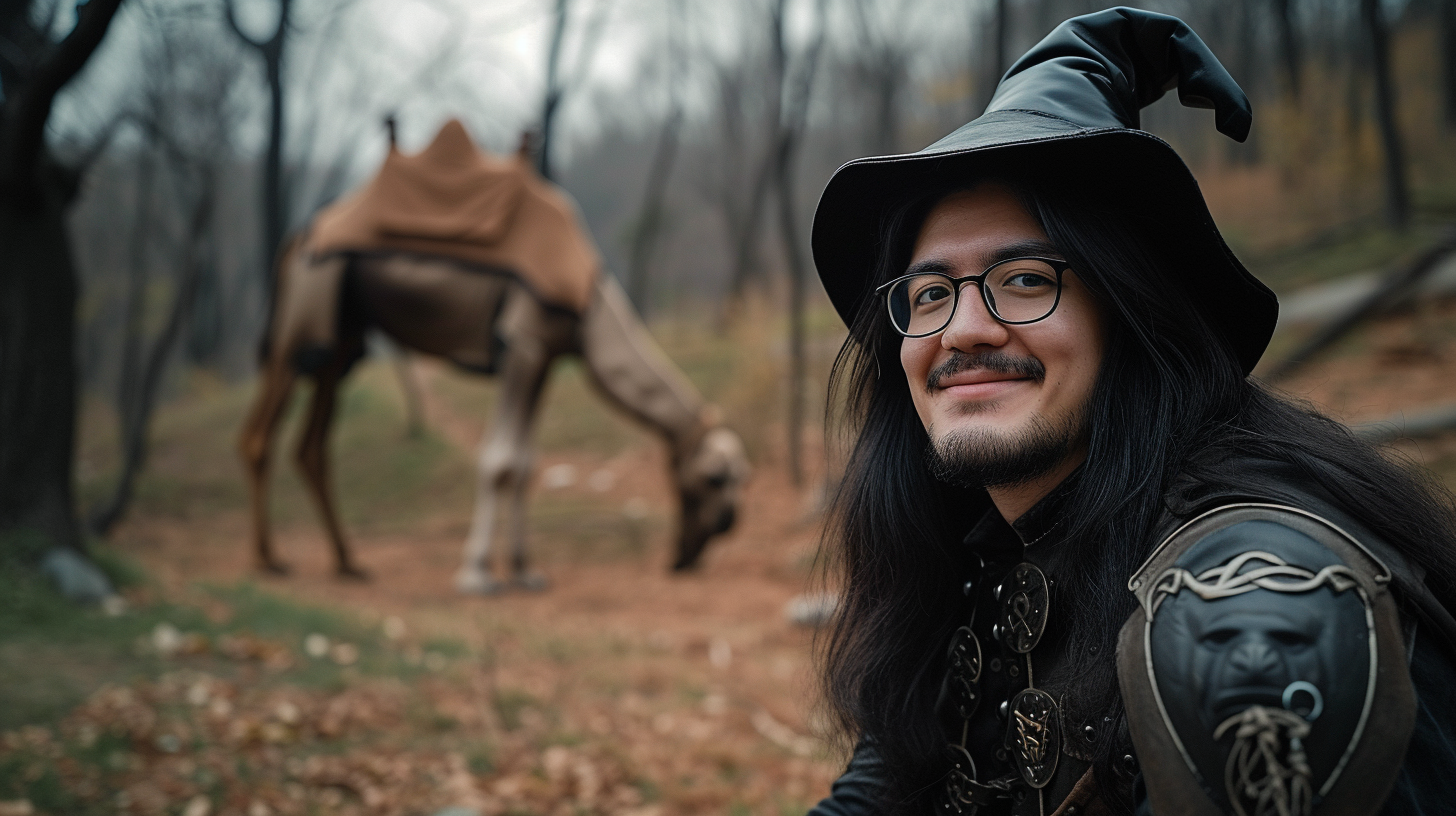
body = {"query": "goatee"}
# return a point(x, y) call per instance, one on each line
point(982, 458)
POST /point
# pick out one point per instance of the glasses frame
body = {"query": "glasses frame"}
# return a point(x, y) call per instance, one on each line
point(1058, 266)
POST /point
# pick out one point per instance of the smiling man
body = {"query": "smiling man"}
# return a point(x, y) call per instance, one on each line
point(1088, 564)
point(1001, 390)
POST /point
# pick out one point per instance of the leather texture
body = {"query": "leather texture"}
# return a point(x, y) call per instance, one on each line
point(1067, 113)
point(1428, 642)
point(1102, 69)
point(1211, 637)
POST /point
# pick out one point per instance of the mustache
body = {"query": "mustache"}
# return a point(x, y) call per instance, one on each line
point(995, 361)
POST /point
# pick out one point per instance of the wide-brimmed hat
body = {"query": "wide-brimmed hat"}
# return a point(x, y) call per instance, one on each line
point(1069, 109)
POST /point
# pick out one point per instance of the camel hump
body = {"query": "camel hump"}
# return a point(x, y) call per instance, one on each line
point(450, 192)
point(454, 200)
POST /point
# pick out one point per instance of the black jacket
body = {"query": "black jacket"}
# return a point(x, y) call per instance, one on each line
point(1427, 779)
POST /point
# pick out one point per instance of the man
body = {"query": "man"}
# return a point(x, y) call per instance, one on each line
point(1088, 565)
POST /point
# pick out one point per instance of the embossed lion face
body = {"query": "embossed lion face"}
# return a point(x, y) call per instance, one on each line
point(1247, 649)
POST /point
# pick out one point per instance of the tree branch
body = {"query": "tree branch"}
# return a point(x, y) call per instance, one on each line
point(587, 49)
point(28, 108)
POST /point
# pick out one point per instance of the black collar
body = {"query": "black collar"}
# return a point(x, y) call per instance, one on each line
point(1041, 524)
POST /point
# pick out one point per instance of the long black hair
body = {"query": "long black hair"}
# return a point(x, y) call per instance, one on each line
point(1171, 401)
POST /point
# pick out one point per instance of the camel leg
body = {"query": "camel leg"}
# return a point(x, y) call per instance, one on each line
point(522, 576)
point(504, 467)
point(313, 462)
point(255, 446)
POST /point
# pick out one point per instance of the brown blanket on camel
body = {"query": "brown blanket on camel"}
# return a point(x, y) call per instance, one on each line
point(455, 201)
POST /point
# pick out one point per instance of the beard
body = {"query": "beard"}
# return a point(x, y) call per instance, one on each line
point(977, 458)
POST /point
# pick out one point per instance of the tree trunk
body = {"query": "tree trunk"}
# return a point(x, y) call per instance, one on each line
point(1448, 60)
point(38, 293)
point(136, 429)
point(1357, 67)
point(1245, 70)
point(1289, 44)
point(649, 218)
point(745, 239)
point(275, 215)
point(798, 366)
point(552, 100)
point(1397, 195)
point(1000, 33)
point(136, 297)
point(38, 289)
point(794, 95)
point(274, 203)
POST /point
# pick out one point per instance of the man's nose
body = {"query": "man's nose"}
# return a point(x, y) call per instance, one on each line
point(972, 324)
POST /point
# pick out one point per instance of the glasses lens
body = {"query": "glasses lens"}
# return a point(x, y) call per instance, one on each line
point(922, 304)
point(1021, 291)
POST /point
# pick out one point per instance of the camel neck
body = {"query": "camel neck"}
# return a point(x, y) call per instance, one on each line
point(632, 371)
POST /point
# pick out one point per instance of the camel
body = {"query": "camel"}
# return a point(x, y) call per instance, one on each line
point(454, 292)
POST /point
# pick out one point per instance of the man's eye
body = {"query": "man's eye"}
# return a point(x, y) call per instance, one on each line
point(1027, 280)
point(931, 295)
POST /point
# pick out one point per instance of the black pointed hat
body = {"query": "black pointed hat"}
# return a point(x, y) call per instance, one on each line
point(1071, 105)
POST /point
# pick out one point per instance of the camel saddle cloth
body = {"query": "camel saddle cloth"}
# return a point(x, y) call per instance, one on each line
point(455, 201)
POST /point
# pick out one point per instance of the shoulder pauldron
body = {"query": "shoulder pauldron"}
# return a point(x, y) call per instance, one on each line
point(1264, 671)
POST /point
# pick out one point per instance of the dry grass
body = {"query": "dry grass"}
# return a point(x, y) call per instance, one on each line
point(621, 690)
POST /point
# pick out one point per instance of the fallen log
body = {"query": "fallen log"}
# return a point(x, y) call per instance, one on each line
point(1390, 291)
point(1422, 424)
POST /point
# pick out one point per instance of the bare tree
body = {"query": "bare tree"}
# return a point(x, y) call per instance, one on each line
point(559, 81)
point(142, 391)
point(274, 203)
point(741, 159)
point(1245, 68)
point(882, 68)
point(649, 223)
point(1397, 193)
point(1000, 33)
point(1448, 60)
point(1289, 43)
point(134, 322)
point(38, 287)
point(186, 117)
point(797, 87)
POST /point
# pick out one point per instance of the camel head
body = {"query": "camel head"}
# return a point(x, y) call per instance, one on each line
point(709, 482)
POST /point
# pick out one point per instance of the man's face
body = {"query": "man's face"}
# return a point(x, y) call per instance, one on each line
point(1003, 399)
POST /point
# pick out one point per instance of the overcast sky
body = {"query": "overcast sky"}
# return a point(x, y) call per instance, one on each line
point(481, 60)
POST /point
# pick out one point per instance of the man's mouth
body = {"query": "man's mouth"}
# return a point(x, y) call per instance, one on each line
point(980, 369)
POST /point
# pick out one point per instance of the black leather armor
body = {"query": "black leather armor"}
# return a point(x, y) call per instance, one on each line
point(1265, 671)
point(1424, 639)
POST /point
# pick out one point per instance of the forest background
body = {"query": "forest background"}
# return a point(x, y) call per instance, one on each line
point(695, 137)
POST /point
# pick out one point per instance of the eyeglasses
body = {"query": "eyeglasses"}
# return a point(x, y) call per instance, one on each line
point(1016, 291)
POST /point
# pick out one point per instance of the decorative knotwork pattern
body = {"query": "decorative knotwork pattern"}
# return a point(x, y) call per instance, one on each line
point(1226, 581)
point(1267, 773)
point(1024, 606)
point(1034, 735)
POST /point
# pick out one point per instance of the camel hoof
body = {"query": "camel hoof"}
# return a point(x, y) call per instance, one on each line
point(530, 582)
point(272, 567)
point(350, 572)
point(470, 582)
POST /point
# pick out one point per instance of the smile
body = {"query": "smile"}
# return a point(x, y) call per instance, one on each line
point(980, 384)
point(983, 390)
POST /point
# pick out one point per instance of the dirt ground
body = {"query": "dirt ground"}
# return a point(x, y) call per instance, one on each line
point(651, 693)
point(621, 689)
